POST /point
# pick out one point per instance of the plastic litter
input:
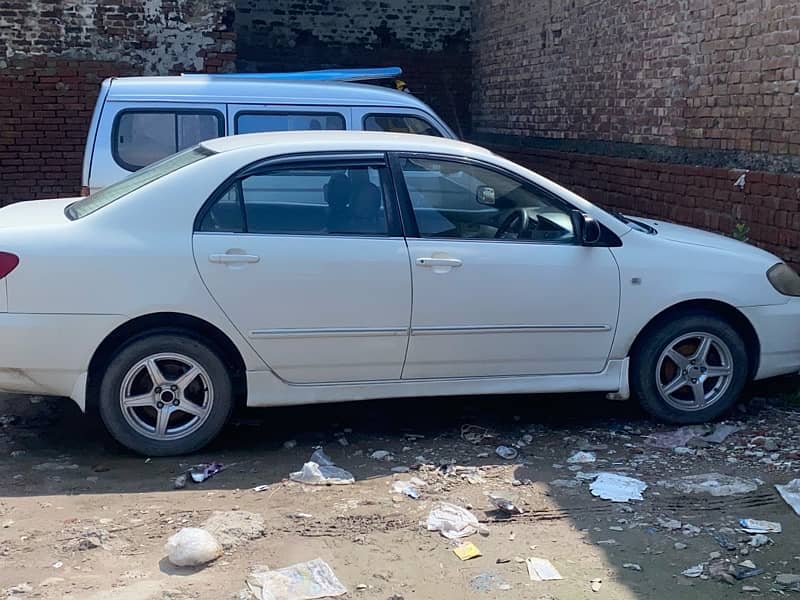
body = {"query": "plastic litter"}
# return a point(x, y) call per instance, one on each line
point(711, 483)
point(632, 566)
point(759, 540)
point(505, 505)
point(758, 526)
point(203, 471)
point(453, 522)
point(261, 488)
point(382, 455)
point(596, 584)
point(788, 581)
point(486, 582)
point(790, 493)
point(506, 452)
point(303, 581)
point(541, 569)
point(409, 488)
point(322, 459)
point(314, 474)
point(466, 551)
point(192, 547)
point(474, 434)
point(617, 488)
point(582, 458)
point(180, 481)
point(694, 571)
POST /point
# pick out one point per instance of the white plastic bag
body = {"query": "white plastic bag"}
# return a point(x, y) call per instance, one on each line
point(453, 522)
point(303, 581)
point(314, 474)
point(617, 488)
point(791, 494)
point(192, 547)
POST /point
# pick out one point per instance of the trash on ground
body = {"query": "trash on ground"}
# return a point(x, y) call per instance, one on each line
point(410, 488)
point(617, 488)
point(453, 521)
point(788, 581)
point(596, 584)
point(720, 433)
point(790, 492)
point(384, 455)
point(632, 566)
point(541, 569)
point(322, 459)
point(486, 582)
point(671, 524)
point(401, 469)
point(303, 581)
point(677, 437)
point(192, 547)
point(759, 540)
point(582, 458)
point(203, 471)
point(467, 550)
point(474, 434)
point(261, 488)
point(180, 482)
point(505, 505)
point(234, 528)
point(759, 526)
point(314, 474)
point(694, 571)
point(746, 570)
point(711, 483)
point(506, 452)
point(724, 541)
point(682, 546)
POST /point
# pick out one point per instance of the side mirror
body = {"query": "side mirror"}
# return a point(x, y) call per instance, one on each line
point(485, 195)
point(586, 229)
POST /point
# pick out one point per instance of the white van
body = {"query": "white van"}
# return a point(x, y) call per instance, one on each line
point(140, 120)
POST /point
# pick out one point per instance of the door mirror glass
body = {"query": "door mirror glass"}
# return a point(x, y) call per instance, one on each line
point(485, 195)
point(586, 228)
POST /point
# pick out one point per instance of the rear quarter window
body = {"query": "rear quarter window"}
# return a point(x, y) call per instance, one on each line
point(257, 122)
point(400, 123)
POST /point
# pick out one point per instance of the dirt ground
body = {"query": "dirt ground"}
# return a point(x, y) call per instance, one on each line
point(82, 519)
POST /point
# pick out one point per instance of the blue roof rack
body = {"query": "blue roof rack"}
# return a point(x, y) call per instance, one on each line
point(323, 75)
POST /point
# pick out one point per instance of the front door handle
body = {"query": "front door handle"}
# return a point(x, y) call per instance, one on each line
point(439, 262)
point(233, 259)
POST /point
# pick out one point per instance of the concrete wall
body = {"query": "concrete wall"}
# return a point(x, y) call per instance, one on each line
point(428, 38)
point(56, 53)
point(654, 107)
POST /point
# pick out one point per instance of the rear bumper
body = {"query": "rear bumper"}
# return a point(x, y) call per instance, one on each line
point(48, 354)
point(778, 329)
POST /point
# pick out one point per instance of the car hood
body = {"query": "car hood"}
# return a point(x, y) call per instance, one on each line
point(35, 212)
point(698, 237)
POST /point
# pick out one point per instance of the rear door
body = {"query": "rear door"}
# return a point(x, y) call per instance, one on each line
point(308, 261)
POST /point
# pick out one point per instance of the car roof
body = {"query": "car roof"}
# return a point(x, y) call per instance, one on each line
point(211, 89)
point(330, 141)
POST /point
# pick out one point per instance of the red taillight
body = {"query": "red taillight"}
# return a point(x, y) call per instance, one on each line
point(8, 262)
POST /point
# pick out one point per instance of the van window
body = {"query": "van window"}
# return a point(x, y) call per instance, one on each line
point(253, 122)
point(399, 123)
point(142, 137)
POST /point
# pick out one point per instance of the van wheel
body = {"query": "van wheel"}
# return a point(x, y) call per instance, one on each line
point(691, 369)
point(165, 394)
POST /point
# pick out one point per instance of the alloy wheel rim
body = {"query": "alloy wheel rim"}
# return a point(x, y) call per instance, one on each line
point(166, 396)
point(694, 371)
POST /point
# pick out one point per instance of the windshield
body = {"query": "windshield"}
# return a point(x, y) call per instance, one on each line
point(133, 182)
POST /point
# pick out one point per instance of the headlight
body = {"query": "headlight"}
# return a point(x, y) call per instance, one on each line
point(784, 279)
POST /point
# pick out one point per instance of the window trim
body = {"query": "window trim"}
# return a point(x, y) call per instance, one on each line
point(401, 114)
point(174, 111)
point(608, 238)
point(287, 113)
point(394, 223)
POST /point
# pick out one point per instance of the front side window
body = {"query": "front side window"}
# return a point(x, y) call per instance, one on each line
point(400, 123)
point(133, 182)
point(253, 122)
point(142, 137)
point(452, 199)
point(336, 200)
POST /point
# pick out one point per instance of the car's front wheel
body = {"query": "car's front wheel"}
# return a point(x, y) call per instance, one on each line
point(690, 368)
point(165, 394)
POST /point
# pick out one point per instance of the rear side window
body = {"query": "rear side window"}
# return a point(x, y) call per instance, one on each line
point(399, 123)
point(142, 137)
point(257, 122)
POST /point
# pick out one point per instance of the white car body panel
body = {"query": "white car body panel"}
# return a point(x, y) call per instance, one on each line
point(79, 280)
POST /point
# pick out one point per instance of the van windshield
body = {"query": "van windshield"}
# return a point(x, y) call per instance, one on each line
point(133, 182)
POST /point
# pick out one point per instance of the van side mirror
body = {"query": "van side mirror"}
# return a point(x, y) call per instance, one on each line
point(485, 195)
point(586, 229)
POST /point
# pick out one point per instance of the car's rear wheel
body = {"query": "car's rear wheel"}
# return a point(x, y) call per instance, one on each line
point(165, 394)
point(690, 368)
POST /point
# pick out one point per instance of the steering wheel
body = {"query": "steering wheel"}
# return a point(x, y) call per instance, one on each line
point(519, 214)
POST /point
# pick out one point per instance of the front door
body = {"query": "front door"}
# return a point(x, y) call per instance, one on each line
point(308, 262)
point(501, 286)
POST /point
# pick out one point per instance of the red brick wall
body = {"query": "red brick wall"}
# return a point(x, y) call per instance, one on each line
point(704, 197)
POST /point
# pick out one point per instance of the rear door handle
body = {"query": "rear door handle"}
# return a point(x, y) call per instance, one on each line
point(439, 262)
point(232, 259)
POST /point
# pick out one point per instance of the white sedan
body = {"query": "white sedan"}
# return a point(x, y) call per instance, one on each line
point(296, 268)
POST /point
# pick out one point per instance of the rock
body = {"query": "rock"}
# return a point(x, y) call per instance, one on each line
point(670, 524)
point(289, 444)
point(235, 528)
point(715, 484)
point(714, 555)
point(401, 469)
point(192, 547)
point(582, 458)
point(750, 588)
point(384, 455)
point(683, 450)
point(679, 546)
point(759, 540)
point(89, 543)
point(787, 579)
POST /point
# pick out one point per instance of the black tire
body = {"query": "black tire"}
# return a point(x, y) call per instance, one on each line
point(644, 362)
point(127, 357)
